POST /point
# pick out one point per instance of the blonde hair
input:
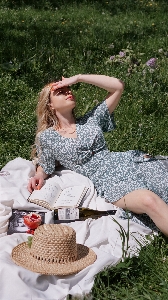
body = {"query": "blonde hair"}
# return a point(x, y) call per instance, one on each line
point(46, 116)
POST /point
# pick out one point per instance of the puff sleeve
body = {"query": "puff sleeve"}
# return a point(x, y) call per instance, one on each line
point(46, 158)
point(101, 115)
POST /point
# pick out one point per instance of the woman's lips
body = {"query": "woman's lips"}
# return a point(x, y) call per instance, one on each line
point(70, 98)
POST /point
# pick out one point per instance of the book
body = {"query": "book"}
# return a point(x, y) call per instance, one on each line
point(51, 196)
point(16, 221)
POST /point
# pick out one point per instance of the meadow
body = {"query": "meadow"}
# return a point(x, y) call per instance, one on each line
point(44, 40)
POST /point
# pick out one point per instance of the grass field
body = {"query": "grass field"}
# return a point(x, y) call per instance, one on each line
point(43, 40)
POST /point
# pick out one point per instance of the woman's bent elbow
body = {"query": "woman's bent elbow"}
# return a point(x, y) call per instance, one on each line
point(122, 85)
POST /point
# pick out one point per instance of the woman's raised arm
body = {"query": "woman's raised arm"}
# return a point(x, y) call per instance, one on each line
point(112, 85)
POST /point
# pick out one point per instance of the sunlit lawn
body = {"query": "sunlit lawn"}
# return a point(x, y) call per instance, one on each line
point(43, 40)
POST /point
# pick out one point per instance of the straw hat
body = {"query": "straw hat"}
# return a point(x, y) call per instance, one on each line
point(54, 251)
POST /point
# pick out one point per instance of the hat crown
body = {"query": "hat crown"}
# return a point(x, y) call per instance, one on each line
point(54, 244)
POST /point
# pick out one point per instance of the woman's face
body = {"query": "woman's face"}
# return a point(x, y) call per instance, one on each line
point(62, 99)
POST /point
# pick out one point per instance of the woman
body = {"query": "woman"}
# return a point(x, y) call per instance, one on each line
point(128, 179)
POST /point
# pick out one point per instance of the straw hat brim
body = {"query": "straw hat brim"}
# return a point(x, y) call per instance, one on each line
point(22, 257)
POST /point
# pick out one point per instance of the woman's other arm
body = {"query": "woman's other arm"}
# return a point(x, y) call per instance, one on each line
point(37, 181)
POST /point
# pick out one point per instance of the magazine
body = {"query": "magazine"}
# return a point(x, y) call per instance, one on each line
point(51, 196)
point(16, 221)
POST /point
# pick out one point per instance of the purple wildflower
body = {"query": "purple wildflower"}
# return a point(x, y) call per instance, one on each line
point(122, 54)
point(112, 57)
point(151, 63)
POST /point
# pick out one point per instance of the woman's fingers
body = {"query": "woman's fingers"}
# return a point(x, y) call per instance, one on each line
point(35, 184)
point(64, 82)
point(29, 186)
point(40, 183)
point(57, 85)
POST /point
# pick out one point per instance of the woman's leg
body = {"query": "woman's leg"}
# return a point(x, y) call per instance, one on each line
point(145, 201)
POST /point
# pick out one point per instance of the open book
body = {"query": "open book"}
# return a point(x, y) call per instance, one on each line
point(51, 196)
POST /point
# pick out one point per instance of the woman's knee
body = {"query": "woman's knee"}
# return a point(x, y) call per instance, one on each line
point(140, 201)
point(150, 202)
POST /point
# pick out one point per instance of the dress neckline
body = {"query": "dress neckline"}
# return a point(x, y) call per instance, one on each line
point(65, 137)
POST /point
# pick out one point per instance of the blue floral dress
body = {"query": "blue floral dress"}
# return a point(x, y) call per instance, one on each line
point(114, 174)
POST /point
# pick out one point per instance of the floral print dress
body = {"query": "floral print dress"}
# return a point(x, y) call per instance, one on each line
point(114, 174)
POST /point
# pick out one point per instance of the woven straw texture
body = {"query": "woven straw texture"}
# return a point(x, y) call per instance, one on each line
point(54, 252)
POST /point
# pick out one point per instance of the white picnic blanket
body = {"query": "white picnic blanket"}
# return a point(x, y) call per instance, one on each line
point(102, 235)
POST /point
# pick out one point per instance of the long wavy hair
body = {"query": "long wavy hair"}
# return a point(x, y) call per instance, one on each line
point(46, 117)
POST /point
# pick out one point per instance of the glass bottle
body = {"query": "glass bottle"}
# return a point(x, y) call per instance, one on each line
point(82, 214)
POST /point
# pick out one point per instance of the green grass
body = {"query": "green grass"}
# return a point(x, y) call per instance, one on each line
point(43, 40)
point(39, 45)
point(139, 278)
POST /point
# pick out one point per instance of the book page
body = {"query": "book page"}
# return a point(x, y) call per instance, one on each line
point(49, 192)
point(71, 196)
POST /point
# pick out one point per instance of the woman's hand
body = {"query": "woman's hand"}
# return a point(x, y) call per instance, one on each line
point(36, 182)
point(65, 82)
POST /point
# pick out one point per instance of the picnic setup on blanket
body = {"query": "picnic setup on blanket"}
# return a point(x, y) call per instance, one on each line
point(75, 234)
